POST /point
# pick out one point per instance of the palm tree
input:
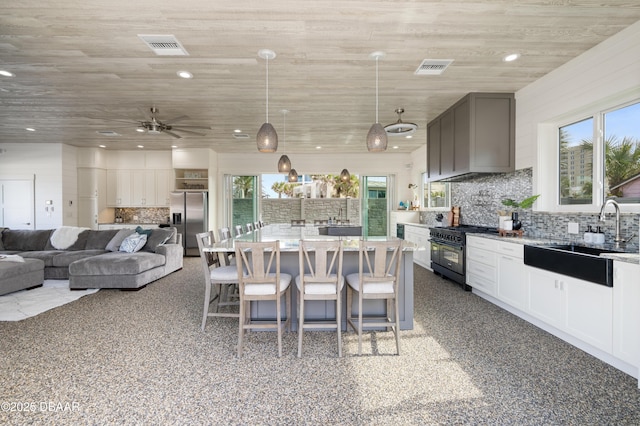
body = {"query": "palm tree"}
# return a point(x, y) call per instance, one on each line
point(243, 186)
point(622, 160)
point(351, 188)
point(278, 188)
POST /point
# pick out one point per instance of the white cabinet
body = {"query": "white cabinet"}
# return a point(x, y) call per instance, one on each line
point(626, 312)
point(512, 287)
point(420, 236)
point(118, 188)
point(580, 308)
point(92, 195)
point(143, 188)
point(164, 186)
point(482, 264)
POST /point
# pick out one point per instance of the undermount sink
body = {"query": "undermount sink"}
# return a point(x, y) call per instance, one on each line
point(572, 260)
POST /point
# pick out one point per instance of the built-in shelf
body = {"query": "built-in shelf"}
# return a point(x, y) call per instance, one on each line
point(192, 179)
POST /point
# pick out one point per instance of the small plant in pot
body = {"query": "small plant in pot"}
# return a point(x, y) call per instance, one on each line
point(524, 204)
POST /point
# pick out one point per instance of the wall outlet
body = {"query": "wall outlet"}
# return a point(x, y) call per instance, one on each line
point(136, 218)
point(573, 228)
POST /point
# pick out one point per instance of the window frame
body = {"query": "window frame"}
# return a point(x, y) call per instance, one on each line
point(425, 188)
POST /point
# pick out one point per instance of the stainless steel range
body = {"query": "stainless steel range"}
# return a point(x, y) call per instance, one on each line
point(448, 250)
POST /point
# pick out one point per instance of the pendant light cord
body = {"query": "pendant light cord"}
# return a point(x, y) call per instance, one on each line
point(377, 121)
point(267, 94)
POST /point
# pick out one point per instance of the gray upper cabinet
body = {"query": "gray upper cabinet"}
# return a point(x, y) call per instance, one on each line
point(475, 135)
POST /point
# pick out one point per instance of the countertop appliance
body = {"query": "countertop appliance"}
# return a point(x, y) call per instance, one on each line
point(448, 250)
point(189, 214)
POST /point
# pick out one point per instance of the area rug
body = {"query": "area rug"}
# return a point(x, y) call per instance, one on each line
point(28, 303)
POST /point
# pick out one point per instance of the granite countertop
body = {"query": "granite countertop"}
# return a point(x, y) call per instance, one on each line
point(621, 255)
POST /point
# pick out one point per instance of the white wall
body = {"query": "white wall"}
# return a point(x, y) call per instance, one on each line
point(607, 74)
point(45, 162)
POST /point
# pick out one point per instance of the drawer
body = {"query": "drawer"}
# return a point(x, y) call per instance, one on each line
point(483, 243)
point(482, 284)
point(482, 256)
point(511, 249)
point(480, 269)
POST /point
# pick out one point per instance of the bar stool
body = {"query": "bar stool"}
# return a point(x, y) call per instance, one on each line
point(320, 279)
point(239, 230)
point(376, 281)
point(217, 280)
point(262, 281)
point(225, 233)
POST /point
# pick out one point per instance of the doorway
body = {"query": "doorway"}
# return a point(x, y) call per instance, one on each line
point(17, 203)
point(375, 205)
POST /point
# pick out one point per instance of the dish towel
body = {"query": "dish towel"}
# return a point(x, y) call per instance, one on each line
point(64, 236)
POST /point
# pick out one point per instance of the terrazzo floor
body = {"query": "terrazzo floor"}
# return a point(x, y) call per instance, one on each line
point(139, 358)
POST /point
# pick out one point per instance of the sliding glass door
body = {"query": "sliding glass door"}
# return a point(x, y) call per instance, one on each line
point(375, 205)
point(241, 199)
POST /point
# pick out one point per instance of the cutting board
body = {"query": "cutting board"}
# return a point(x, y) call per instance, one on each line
point(453, 217)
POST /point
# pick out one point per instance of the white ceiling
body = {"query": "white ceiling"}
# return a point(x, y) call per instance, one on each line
point(80, 66)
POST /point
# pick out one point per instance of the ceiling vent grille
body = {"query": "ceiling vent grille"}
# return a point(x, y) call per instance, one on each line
point(109, 133)
point(241, 136)
point(164, 45)
point(433, 66)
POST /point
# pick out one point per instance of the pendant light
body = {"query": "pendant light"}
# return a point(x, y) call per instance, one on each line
point(345, 176)
point(293, 175)
point(377, 136)
point(284, 164)
point(267, 138)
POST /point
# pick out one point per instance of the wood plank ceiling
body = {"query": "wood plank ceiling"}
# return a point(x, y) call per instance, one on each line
point(80, 68)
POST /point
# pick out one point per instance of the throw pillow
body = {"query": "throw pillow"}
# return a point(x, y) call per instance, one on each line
point(133, 243)
point(158, 237)
point(114, 244)
point(141, 231)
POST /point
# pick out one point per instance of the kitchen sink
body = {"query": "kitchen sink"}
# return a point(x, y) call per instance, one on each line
point(572, 260)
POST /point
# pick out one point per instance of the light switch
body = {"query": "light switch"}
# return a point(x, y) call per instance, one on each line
point(573, 228)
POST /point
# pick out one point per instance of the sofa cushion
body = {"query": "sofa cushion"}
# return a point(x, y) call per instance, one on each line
point(1, 244)
point(25, 239)
point(45, 255)
point(66, 258)
point(15, 269)
point(133, 243)
point(119, 263)
point(98, 240)
point(158, 237)
point(114, 244)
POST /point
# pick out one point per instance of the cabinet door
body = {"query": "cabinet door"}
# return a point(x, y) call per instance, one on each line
point(462, 135)
point(545, 296)
point(626, 312)
point(512, 286)
point(87, 182)
point(143, 188)
point(446, 144)
point(118, 188)
point(589, 312)
point(164, 186)
point(433, 149)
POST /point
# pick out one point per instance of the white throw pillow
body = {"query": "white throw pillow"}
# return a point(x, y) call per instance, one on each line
point(133, 243)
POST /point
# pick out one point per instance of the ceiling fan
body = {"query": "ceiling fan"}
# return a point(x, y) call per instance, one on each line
point(153, 125)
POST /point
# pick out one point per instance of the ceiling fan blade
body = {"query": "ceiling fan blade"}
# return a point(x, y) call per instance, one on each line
point(180, 129)
point(192, 127)
point(170, 133)
point(180, 118)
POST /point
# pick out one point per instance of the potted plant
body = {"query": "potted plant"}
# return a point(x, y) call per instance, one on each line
point(524, 204)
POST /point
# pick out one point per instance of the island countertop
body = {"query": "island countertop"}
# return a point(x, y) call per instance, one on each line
point(290, 236)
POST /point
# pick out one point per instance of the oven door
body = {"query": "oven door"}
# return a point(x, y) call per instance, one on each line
point(448, 256)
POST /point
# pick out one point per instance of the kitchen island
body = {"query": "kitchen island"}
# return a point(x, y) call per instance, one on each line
point(289, 237)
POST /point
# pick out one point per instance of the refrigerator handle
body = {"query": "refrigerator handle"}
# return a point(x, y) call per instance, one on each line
point(177, 218)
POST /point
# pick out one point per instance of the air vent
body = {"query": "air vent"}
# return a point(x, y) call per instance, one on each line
point(241, 136)
point(109, 133)
point(433, 66)
point(164, 45)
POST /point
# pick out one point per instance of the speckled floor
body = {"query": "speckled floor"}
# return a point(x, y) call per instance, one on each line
point(140, 358)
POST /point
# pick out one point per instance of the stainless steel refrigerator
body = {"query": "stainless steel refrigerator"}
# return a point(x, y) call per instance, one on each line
point(189, 215)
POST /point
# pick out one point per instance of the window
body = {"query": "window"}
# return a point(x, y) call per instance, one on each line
point(603, 148)
point(436, 194)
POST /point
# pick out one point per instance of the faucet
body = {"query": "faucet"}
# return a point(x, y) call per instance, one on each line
point(618, 238)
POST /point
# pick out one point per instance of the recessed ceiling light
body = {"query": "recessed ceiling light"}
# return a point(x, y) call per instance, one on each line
point(395, 147)
point(409, 136)
point(6, 73)
point(174, 146)
point(102, 146)
point(184, 74)
point(237, 131)
point(140, 146)
point(318, 147)
point(512, 57)
point(30, 129)
point(141, 129)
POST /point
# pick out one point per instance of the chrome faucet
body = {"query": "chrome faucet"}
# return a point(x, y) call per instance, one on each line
point(618, 238)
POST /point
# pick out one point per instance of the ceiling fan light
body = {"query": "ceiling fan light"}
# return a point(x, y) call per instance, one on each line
point(345, 176)
point(377, 138)
point(267, 138)
point(293, 175)
point(284, 164)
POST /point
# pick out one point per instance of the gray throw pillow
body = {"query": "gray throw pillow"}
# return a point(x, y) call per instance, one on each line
point(158, 237)
point(114, 244)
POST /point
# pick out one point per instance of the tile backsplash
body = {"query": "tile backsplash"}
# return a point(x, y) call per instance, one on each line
point(480, 198)
point(143, 214)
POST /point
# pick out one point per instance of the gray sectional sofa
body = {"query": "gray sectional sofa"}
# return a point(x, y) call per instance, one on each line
point(92, 261)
